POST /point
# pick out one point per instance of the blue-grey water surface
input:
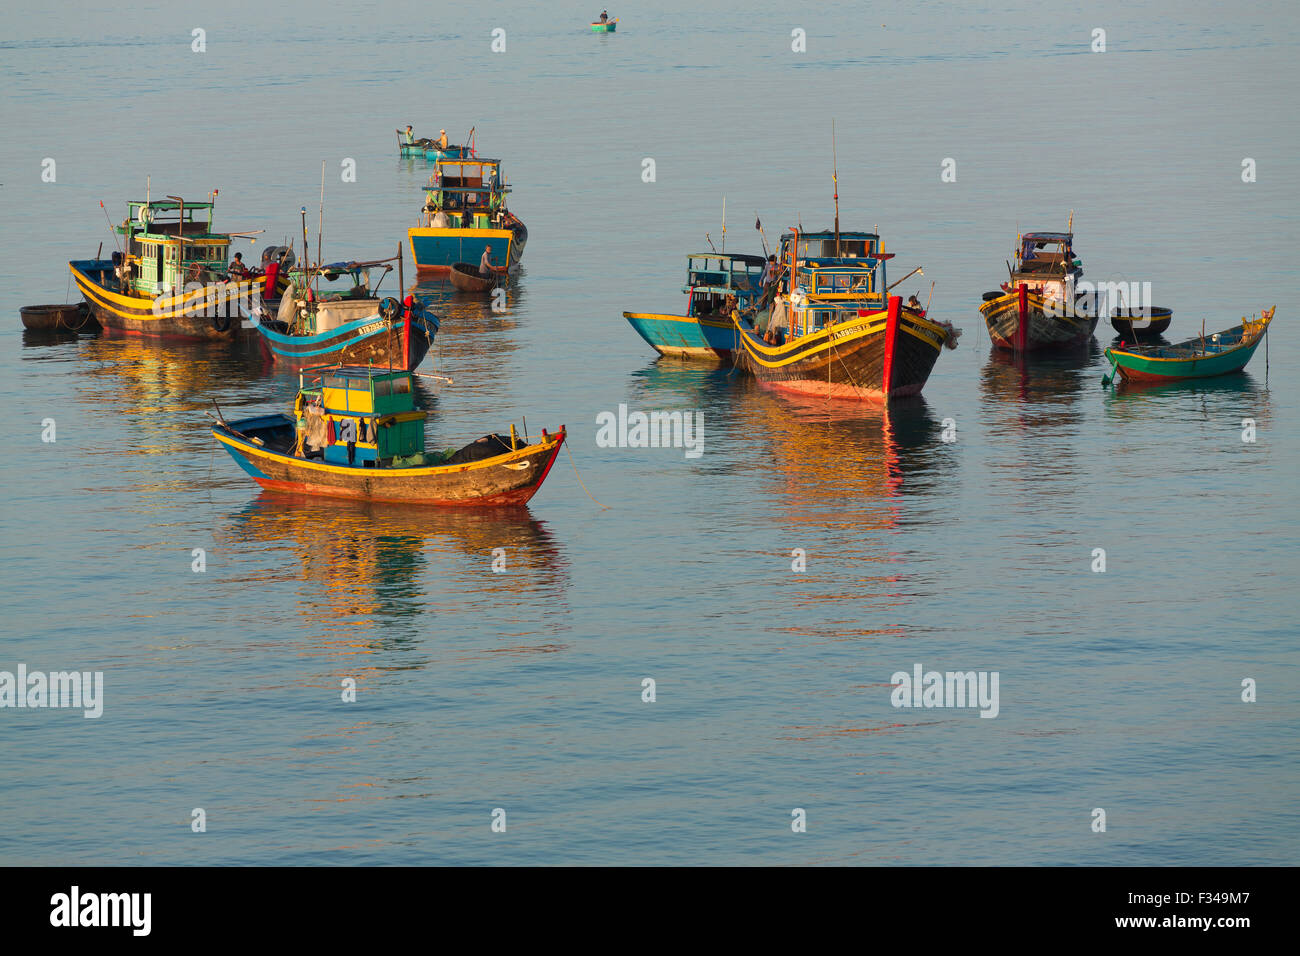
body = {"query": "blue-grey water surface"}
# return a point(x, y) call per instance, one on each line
point(523, 690)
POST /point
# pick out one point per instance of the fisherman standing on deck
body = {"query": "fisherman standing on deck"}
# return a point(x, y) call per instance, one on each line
point(442, 139)
point(237, 268)
point(410, 135)
point(485, 264)
point(604, 16)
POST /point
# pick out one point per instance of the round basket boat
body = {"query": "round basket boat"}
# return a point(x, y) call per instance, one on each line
point(1141, 323)
point(466, 278)
point(62, 317)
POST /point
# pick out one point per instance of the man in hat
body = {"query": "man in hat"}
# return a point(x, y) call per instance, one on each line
point(442, 139)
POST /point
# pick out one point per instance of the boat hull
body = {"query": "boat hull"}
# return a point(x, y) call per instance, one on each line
point(503, 480)
point(610, 27)
point(1045, 327)
point(877, 356)
point(372, 340)
point(213, 312)
point(1137, 368)
point(435, 251)
point(431, 153)
point(686, 337)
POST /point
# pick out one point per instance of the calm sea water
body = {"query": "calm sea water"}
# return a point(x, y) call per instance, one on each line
point(523, 690)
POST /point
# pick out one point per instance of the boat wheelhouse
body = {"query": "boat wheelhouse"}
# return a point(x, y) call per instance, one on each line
point(835, 331)
point(172, 277)
point(464, 213)
point(1038, 307)
point(705, 331)
point(357, 432)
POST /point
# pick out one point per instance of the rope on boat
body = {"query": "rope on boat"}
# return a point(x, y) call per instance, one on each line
point(579, 477)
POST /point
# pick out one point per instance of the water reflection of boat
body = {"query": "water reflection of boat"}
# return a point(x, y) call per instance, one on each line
point(843, 460)
point(1051, 378)
point(372, 562)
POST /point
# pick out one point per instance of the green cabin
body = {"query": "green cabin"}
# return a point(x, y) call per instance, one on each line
point(170, 243)
point(380, 401)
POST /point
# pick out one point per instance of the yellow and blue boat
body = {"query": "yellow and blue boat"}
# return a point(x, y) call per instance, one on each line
point(464, 213)
point(706, 331)
point(172, 279)
point(356, 433)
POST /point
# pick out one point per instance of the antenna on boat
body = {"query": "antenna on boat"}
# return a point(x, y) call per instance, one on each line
point(835, 180)
point(724, 223)
point(710, 242)
point(1070, 227)
point(320, 226)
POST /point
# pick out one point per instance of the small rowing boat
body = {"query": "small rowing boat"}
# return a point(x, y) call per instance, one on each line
point(1221, 353)
point(356, 432)
point(67, 317)
point(466, 278)
point(604, 26)
point(1146, 323)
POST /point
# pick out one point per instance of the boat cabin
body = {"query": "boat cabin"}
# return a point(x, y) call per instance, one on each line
point(1047, 252)
point(170, 243)
point(712, 277)
point(466, 193)
point(380, 404)
point(823, 245)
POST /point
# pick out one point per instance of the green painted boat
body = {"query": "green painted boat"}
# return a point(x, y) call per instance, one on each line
point(604, 26)
point(1221, 353)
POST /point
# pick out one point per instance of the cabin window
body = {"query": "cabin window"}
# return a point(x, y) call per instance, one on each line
point(382, 387)
point(333, 381)
point(359, 384)
point(401, 386)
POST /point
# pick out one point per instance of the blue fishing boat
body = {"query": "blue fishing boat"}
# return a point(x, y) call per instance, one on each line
point(706, 331)
point(465, 213)
point(432, 149)
point(319, 321)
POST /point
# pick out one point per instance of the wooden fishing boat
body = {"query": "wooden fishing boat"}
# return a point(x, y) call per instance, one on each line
point(604, 26)
point(64, 317)
point(1038, 307)
point(841, 335)
point(353, 326)
point(464, 213)
point(705, 332)
point(1141, 323)
point(466, 278)
point(1221, 353)
point(386, 461)
point(172, 279)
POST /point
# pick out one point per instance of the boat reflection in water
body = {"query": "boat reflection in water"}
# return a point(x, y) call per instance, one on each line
point(1227, 398)
point(385, 572)
point(844, 480)
point(1011, 382)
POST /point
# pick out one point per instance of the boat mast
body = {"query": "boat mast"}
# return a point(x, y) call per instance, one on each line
point(724, 224)
point(320, 227)
point(835, 180)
